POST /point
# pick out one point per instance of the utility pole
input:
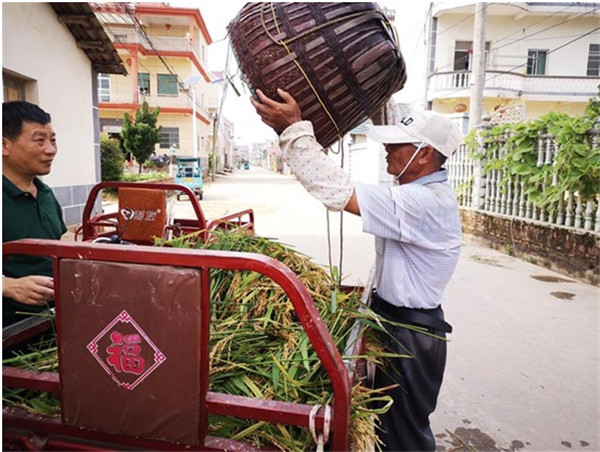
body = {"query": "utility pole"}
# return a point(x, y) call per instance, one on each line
point(430, 47)
point(478, 68)
point(191, 82)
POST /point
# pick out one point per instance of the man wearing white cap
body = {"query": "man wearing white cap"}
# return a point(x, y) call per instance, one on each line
point(417, 238)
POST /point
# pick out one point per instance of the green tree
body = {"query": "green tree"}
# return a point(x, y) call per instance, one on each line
point(141, 135)
point(111, 159)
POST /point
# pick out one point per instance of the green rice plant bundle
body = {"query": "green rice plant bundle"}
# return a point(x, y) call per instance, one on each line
point(259, 348)
point(40, 356)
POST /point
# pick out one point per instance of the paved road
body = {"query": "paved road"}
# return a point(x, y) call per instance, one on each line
point(523, 364)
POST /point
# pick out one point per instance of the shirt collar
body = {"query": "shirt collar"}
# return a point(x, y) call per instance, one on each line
point(438, 176)
point(13, 191)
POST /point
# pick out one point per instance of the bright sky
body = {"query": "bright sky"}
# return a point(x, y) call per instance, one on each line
point(410, 22)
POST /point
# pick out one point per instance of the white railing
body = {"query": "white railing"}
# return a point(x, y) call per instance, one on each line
point(565, 86)
point(104, 95)
point(126, 96)
point(486, 192)
point(160, 43)
point(511, 84)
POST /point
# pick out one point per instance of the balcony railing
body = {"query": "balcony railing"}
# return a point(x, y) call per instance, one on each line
point(183, 100)
point(159, 43)
point(513, 85)
point(566, 86)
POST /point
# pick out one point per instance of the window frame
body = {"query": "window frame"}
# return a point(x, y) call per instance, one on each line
point(104, 92)
point(141, 79)
point(533, 61)
point(160, 85)
point(13, 87)
point(168, 137)
point(593, 57)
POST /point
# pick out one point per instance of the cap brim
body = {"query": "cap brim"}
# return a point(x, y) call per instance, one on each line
point(390, 135)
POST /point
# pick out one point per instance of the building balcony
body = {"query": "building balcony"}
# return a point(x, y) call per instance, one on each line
point(121, 99)
point(445, 85)
point(168, 44)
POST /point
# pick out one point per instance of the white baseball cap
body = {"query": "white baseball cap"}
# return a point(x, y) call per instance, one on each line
point(427, 127)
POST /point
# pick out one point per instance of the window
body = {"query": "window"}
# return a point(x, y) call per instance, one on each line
point(593, 66)
point(144, 82)
point(169, 137)
point(536, 62)
point(120, 38)
point(463, 62)
point(104, 87)
point(14, 87)
point(167, 85)
point(462, 55)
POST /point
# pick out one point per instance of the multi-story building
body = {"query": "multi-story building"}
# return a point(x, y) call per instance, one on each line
point(539, 57)
point(165, 51)
point(51, 55)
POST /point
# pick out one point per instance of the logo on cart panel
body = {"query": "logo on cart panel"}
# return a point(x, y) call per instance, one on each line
point(143, 215)
point(125, 351)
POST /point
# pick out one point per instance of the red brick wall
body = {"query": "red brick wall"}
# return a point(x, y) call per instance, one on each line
point(569, 251)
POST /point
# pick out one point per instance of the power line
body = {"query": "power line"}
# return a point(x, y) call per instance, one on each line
point(457, 23)
point(543, 19)
point(494, 76)
point(422, 33)
point(465, 58)
point(140, 28)
point(417, 25)
point(547, 28)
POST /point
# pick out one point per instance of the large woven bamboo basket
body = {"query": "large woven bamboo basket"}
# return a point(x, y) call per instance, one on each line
point(340, 61)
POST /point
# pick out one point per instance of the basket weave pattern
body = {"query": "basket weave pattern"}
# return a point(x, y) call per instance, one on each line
point(340, 61)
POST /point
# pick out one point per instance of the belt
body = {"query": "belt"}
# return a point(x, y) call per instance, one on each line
point(419, 317)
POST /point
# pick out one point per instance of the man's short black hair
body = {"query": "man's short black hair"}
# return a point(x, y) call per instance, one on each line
point(439, 158)
point(14, 113)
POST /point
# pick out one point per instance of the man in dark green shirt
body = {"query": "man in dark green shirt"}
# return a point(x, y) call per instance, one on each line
point(29, 208)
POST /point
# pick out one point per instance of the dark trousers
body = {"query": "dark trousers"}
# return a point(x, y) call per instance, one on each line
point(405, 427)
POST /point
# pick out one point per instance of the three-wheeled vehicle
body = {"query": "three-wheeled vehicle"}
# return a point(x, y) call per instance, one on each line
point(189, 174)
point(159, 300)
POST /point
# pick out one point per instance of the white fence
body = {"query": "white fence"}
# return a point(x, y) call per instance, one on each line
point(485, 192)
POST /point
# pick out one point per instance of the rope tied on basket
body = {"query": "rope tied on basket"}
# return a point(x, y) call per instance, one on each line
point(295, 60)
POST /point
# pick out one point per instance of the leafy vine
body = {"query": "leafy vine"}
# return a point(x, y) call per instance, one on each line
point(512, 150)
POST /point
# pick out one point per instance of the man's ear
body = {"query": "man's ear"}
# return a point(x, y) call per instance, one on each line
point(426, 154)
point(5, 146)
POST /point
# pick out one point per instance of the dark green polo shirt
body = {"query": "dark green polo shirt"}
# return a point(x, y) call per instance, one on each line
point(24, 216)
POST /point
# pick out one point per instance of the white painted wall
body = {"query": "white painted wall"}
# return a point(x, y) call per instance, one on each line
point(511, 39)
point(36, 46)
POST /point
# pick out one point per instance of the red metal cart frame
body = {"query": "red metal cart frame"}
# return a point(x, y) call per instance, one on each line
point(93, 226)
point(36, 432)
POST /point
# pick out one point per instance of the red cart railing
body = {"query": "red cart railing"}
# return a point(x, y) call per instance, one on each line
point(105, 225)
point(37, 432)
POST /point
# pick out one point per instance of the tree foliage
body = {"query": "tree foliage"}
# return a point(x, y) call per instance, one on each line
point(513, 149)
point(111, 159)
point(141, 134)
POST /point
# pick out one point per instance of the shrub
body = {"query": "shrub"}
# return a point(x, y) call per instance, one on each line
point(111, 159)
point(145, 177)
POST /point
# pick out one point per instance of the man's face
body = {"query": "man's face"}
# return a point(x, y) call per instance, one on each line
point(32, 153)
point(398, 156)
